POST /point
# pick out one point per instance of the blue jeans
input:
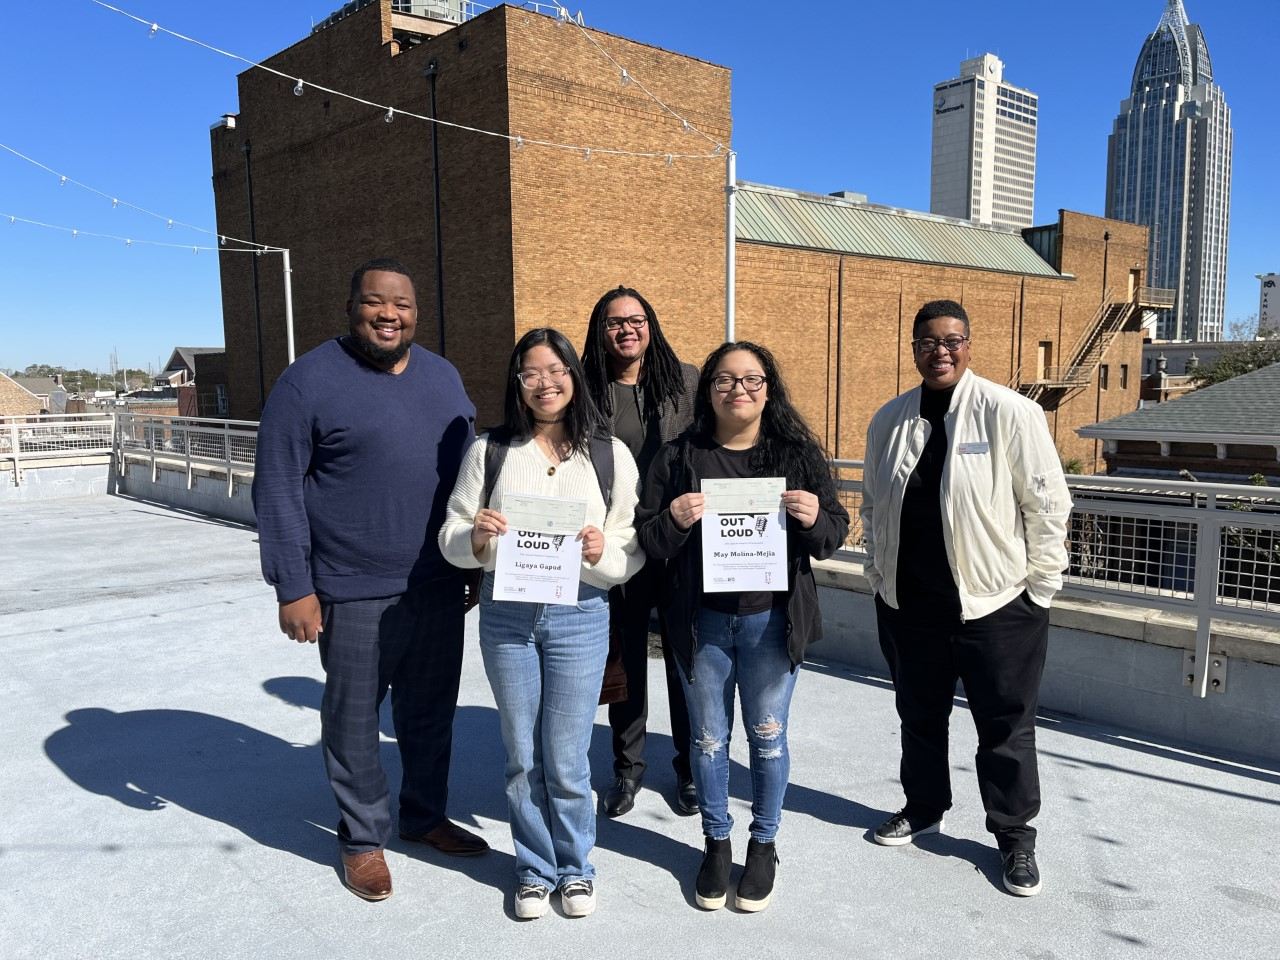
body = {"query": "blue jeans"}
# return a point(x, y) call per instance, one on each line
point(545, 664)
point(751, 653)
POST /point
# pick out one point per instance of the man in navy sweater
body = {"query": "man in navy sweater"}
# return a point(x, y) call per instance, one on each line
point(358, 451)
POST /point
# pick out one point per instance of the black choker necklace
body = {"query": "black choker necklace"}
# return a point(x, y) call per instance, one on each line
point(548, 422)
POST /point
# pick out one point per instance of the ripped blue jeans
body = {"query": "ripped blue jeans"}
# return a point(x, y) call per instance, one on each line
point(748, 653)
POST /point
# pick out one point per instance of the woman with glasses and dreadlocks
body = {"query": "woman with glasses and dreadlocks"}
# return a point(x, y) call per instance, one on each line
point(646, 395)
point(545, 662)
point(744, 425)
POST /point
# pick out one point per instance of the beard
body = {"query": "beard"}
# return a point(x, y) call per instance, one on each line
point(380, 355)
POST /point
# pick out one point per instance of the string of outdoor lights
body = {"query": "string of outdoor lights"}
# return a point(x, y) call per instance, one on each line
point(390, 113)
point(129, 242)
point(116, 202)
point(562, 16)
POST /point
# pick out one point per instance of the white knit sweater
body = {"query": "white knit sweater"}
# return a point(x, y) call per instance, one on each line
point(525, 472)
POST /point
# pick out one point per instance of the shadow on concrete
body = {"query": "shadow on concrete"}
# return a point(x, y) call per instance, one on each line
point(681, 854)
point(272, 791)
point(1240, 764)
point(161, 509)
point(475, 777)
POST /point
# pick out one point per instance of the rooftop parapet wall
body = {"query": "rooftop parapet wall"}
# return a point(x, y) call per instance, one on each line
point(1110, 664)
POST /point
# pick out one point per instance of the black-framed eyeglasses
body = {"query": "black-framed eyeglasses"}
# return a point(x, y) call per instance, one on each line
point(750, 383)
point(930, 344)
point(636, 323)
point(536, 378)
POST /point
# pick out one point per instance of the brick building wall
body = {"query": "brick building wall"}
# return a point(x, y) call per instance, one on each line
point(1241, 461)
point(16, 400)
point(840, 326)
point(530, 236)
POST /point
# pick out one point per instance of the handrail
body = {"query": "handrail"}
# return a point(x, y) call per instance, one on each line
point(1209, 550)
point(43, 437)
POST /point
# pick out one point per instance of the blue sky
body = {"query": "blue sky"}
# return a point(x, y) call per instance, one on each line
point(827, 95)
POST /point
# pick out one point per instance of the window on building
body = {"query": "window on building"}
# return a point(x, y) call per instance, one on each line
point(1102, 377)
point(1124, 376)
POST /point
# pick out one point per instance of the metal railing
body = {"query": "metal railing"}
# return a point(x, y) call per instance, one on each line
point(1211, 551)
point(25, 440)
point(1208, 550)
point(228, 445)
point(1156, 297)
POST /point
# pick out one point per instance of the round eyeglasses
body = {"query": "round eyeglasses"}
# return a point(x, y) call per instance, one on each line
point(536, 378)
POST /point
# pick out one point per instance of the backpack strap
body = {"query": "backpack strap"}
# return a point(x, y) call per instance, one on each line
point(601, 451)
point(497, 443)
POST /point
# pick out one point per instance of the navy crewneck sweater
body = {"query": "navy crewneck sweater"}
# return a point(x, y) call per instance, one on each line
point(354, 468)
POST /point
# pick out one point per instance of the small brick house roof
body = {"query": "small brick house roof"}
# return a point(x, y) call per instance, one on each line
point(1244, 409)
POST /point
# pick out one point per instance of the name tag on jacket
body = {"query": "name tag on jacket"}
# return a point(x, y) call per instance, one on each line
point(973, 448)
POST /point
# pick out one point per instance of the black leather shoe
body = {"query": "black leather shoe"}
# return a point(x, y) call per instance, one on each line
point(1021, 875)
point(451, 839)
point(686, 796)
point(621, 796)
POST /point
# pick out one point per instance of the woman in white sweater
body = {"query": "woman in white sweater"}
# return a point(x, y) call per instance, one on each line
point(545, 662)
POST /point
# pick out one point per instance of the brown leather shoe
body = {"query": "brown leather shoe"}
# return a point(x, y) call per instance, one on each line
point(451, 839)
point(366, 875)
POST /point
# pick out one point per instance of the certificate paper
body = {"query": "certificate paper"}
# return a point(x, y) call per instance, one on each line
point(539, 557)
point(744, 535)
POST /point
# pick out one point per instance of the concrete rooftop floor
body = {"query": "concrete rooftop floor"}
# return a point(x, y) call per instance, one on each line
point(164, 797)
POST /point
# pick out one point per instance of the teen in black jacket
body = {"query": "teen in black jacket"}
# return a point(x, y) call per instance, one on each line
point(744, 426)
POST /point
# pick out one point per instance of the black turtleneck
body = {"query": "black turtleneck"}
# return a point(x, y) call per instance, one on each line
point(923, 570)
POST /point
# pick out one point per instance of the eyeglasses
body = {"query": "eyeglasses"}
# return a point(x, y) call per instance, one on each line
point(930, 344)
point(751, 383)
point(636, 322)
point(536, 378)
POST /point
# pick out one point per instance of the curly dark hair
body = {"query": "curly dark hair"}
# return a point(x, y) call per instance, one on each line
point(940, 308)
point(582, 417)
point(660, 375)
point(786, 446)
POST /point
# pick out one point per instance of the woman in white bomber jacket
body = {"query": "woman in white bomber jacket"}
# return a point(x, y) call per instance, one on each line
point(964, 510)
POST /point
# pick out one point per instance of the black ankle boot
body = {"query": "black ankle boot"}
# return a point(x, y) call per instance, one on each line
point(756, 885)
point(712, 887)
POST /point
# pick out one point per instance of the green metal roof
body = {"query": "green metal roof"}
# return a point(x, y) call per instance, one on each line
point(787, 218)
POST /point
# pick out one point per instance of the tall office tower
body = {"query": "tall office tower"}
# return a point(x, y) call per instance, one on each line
point(1169, 168)
point(984, 147)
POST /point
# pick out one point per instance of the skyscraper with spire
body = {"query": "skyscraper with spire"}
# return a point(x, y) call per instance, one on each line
point(1169, 168)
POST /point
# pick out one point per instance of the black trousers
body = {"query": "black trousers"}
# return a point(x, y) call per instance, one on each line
point(628, 718)
point(413, 644)
point(1000, 659)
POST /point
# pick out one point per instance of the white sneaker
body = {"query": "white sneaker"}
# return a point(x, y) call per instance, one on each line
point(578, 897)
point(532, 901)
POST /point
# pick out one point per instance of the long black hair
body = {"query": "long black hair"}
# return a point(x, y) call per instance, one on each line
point(660, 376)
point(582, 416)
point(785, 446)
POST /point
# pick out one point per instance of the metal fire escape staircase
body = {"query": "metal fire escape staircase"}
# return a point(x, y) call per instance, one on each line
point(1054, 383)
